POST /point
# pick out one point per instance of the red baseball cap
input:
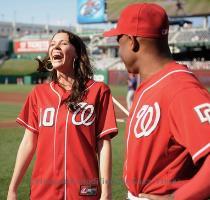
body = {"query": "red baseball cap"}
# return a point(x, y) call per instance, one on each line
point(141, 19)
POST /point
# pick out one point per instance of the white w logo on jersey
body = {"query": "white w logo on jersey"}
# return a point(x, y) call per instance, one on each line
point(147, 120)
point(85, 117)
point(203, 112)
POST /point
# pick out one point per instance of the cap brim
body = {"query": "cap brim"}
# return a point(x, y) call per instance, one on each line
point(112, 32)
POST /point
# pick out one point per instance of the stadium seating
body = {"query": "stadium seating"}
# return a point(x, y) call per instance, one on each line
point(189, 36)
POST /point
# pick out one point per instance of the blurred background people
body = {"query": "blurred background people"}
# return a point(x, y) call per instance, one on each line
point(132, 84)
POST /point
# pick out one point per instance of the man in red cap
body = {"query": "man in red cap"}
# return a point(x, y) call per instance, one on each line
point(168, 128)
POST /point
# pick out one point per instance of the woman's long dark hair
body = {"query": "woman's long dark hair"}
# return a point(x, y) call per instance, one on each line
point(82, 70)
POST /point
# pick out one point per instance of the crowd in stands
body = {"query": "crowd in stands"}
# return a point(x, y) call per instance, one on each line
point(197, 64)
point(185, 35)
point(179, 35)
point(116, 63)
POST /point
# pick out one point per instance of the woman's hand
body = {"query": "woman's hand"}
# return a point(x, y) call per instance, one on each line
point(103, 198)
point(157, 197)
point(105, 163)
point(106, 198)
point(12, 195)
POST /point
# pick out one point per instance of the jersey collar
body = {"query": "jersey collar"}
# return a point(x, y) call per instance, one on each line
point(169, 67)
point(65, 93)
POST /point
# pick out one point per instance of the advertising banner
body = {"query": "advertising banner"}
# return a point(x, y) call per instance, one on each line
point(91, 11)
point(31, 46)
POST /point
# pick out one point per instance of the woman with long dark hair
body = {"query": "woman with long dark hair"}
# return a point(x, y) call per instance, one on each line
point(69, 123)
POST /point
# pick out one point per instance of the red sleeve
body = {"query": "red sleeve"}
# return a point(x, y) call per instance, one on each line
point(106, 120)
point(28, 115)
point(189, 115)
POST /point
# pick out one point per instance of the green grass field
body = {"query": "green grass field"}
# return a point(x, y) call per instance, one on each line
point(18, 67)
point(10, 139)
point(22, 89)
point(9, 111)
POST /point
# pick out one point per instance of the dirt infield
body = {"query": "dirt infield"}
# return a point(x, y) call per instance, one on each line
point(9, 124)
point(12, 97)
point(119, 113)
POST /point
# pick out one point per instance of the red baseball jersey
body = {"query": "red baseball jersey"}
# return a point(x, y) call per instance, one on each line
point(66, 165)
point(167, 131)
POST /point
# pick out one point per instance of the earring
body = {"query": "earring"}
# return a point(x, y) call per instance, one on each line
point(49, 66)
point(74, 63)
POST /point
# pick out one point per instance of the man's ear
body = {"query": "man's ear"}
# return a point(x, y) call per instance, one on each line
point(135, 43)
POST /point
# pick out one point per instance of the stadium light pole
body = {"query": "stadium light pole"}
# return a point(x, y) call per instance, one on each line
point(32, 20)
point(14, 23)
point(2, 16)
point(47, 24)
point(205, 23)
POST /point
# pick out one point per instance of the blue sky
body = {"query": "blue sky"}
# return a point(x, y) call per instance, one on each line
point(59, 12)
point(39, 11)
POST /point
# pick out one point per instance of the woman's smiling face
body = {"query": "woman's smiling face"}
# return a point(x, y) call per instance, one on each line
point(62, 53)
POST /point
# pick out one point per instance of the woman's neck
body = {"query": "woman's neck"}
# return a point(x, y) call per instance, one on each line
point(65, 80)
